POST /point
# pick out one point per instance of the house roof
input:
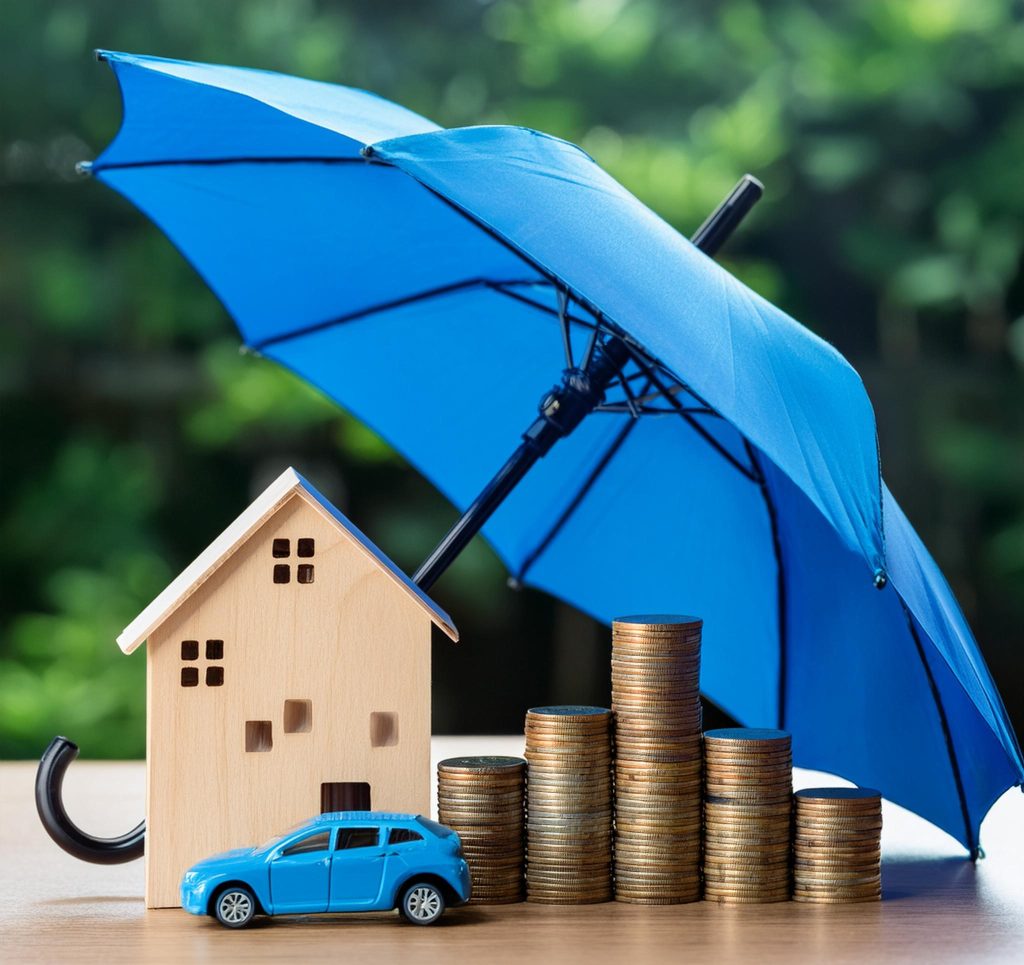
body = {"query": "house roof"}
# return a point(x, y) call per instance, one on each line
point(288, 484)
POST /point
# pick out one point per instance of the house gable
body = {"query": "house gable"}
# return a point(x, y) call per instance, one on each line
point(289, 485)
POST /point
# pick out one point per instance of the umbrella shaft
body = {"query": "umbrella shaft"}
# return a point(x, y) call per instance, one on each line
point(561, 410)
point(567, 404)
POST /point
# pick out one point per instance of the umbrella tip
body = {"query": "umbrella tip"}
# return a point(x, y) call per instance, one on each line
point(84, 168)
point(881, 579)
point(513, 584)
point(366, 151)
point(753, 182)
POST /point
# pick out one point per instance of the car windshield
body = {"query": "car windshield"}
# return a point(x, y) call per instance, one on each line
point(277, 839)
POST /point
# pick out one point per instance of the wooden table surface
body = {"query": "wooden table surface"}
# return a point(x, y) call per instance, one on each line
point(937, 906)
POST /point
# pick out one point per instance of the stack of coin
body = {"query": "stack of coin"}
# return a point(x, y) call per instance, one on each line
point(482, 798)
point(837, 845)
point(747, 814)
point(568, 805)
point(656, 700)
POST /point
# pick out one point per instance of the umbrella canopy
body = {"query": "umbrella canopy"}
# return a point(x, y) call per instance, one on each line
point(434, 282)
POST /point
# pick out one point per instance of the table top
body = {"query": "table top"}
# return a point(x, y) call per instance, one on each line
point(937, 905)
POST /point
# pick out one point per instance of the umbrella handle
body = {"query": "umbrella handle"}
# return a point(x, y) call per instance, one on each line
point(67, 835)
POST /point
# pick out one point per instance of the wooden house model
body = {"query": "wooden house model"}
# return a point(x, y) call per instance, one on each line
point(288, 673)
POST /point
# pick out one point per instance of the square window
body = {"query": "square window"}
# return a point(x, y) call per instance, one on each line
point(189, 676)
point(214, 676)
point(214, 649)
point(281, 549)
point(383, 729)
point(298, 716)
point(304, 573)
point(345, 796)
point(306, 547)
point(189, 649)
point(259, 736)
point(282, 573)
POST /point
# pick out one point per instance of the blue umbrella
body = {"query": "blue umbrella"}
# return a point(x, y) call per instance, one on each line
point(713, 456)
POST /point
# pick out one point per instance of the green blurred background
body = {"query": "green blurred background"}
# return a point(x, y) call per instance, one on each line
point(891, 140)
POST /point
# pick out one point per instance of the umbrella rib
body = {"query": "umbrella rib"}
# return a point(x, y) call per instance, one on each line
point(215, 161)
point(501, 288)
point(563, 321)
point(373, 310)
point(972, 842)
point(622, 407)
point(752, 475)
point(575, 502)
point(702, 409)
point(781, 604)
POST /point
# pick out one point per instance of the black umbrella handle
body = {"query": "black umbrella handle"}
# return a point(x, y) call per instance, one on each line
point(568, 404)
point(50, 805)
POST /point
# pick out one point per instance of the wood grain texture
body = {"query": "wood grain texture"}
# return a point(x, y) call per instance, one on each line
point(352, 642)
point(938, 907)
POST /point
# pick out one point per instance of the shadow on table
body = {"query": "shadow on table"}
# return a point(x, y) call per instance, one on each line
point(93, 900)
point(921, 877)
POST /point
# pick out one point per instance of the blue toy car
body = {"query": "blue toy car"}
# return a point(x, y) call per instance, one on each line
point(342, 861)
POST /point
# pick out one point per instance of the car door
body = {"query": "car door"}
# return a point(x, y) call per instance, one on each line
point(405, 850)
point(300, 874)
point(357, 867)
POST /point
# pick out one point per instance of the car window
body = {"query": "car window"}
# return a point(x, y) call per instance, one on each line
point(315, 842)
point(278, 838)
point(434, 828)
point(349, 838)
point(403, 836)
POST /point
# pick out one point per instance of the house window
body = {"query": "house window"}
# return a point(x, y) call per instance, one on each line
point(190, 652)
point(344, 796)
point(259, 736)
point(383, 729)
point(298, 716)
point(282, 550)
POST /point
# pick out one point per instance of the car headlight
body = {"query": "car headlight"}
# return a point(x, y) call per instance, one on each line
point(195, 882)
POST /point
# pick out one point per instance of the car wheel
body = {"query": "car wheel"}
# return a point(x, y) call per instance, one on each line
point(235, 907)
point(422, 903)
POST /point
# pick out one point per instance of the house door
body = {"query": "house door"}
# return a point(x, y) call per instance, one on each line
point(344, 796)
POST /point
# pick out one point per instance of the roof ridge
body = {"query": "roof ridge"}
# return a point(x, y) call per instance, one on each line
point(287, 484)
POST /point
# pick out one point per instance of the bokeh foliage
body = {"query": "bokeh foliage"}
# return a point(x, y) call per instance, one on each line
point(890, 136)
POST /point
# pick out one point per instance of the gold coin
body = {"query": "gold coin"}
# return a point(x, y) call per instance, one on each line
point(839, 795)
point(821, 900)
point(754, 899)
point(481, 765)
point(815, 806)
point(557, 899)
point(867, 892)
point(659, 621)
point(839, 867)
